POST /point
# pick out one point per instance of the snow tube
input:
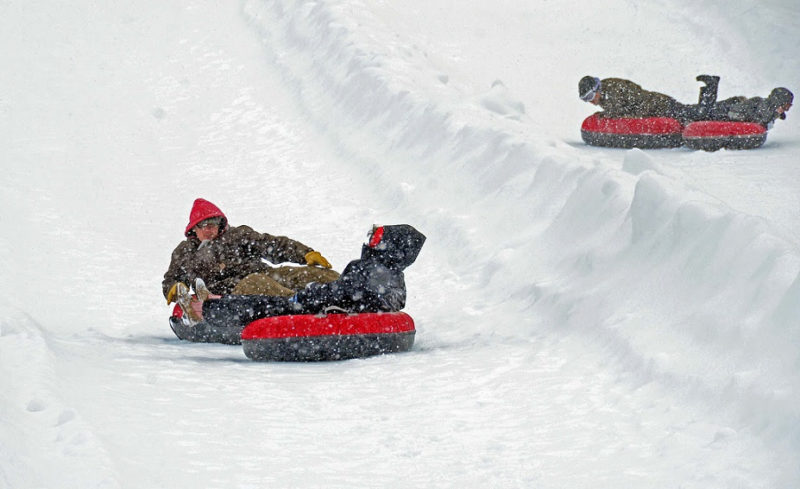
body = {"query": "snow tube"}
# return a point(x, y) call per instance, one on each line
point(202, 332)
point(308, 337)
point(714, 135)
point(646, 132)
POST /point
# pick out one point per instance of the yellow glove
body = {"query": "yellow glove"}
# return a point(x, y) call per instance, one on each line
point(315, 258)
point(173, 291)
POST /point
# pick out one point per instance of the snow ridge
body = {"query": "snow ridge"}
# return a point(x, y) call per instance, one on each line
point(44, 420)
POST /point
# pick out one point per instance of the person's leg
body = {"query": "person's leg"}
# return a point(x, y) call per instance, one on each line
point(296, 278)
point(686, 113)
point(187, 303)
point(240, 310)
point(708, 93)
point(723, 109)
point(261, 284)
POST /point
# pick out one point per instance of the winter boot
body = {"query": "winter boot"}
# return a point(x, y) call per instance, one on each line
point(200, 290)
point(184, 299)
point(708, 79)
point(708, 93)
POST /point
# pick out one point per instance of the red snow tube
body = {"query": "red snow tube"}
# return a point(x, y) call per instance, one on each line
point(645, 132)
point(307, 337)
point(714, 135)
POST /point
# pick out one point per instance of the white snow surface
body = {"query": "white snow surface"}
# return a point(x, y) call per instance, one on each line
point(586, 317)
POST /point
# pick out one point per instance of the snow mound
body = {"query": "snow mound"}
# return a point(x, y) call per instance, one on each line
point(35, 417)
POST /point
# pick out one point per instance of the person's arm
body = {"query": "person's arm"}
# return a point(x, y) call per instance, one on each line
point(362, 287)
point(178, 270)
point(276, 249)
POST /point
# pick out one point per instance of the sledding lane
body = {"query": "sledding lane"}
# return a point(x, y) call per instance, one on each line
point(477, 413)
point(503, 413)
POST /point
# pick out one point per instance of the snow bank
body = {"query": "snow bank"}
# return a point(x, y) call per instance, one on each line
point(676, 285)
point(36, 419)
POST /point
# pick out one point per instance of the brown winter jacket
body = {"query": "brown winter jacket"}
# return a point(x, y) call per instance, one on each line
point(624, 98)
point(224, 261)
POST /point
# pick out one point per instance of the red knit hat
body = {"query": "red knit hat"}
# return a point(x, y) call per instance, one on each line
point(202, 210)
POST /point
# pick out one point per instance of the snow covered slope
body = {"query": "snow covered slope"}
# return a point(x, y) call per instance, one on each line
point(586, 317)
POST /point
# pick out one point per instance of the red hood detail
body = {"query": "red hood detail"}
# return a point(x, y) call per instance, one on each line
point(377, 235)
point(201, 210)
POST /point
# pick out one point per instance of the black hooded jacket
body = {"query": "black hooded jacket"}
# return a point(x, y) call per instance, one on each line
point(742, 109)
point(373, 283)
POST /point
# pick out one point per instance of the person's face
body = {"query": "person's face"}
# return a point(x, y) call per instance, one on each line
point(596, 99)
point(783, 108)
point(208, 229)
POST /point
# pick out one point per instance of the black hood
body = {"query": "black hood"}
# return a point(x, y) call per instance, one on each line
point(397, 249)
point(780, 96)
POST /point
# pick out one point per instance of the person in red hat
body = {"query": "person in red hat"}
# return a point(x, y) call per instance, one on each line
point(230, 259)
point(375, 282)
